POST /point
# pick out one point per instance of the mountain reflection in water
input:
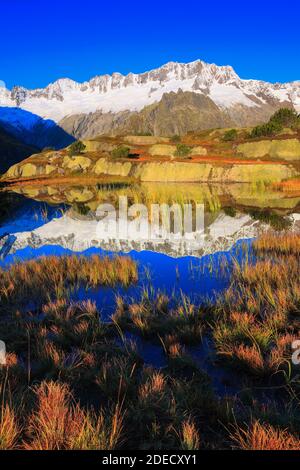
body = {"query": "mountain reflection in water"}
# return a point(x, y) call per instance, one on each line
point(66, 217)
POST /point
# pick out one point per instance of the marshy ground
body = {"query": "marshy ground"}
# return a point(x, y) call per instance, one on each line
point(74, 380)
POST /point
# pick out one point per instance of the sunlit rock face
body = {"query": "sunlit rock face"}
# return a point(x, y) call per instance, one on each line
point(156, 171)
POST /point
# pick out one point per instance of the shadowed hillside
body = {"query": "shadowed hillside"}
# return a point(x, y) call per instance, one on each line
point(12, 150)
point(32, 129)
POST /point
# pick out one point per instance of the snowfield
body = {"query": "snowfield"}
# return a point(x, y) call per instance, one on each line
point(135, 91)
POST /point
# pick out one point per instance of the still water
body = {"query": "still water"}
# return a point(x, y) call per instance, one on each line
point(63, 220)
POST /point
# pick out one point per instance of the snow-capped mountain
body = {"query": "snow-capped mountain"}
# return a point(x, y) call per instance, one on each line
point(116, 92)
point(73, 233)
point(236, 101)
point(80, 235)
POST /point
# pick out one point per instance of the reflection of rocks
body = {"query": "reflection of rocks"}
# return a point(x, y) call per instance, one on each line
point(214, 196)
point(79, 235)
point(155, 171)
point(79, 195)
point(77, 229)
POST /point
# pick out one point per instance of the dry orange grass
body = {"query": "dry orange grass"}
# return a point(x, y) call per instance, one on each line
point(62, 310)
point(176, 350)
point(268, 286)
point(51, 354)
point(9, 428)
point(52, 424)
point(189, 436)
point(257, 319)
point(155, 385)
point(60, 424)
point(54, 275)
point(249, 356)
point(264, 437)
point(172, 347)
point(282, 352)
point(287, 243)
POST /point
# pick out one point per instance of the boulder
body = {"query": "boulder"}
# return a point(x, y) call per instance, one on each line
point(49, 169)
point(107, 167)
point(198, 151)
point(287, 149)
point(77, 163)
point(145, 139)
point(98, 146)
point(162, 149)
point(13, 172)
point(207, 172)
point(27, 170)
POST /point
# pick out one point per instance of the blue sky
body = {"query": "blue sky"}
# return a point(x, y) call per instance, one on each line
point(42, 40)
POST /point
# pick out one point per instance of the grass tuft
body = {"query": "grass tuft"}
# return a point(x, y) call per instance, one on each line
point(260, 436)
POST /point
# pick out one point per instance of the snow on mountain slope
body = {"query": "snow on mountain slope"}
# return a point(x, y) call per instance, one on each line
point(32, 129)
point(116, 92)
point(79, 235)
point(18, 119)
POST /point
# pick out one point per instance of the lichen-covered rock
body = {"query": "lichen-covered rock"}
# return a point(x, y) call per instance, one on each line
point(100, 166)
point(261, 172)
point(107, 167)
point(206, 172)
point(31, 192)
point(287, 149)
point(162, 149)
point(13, 172)
point(76, 163)
point(170, 150)
point(27, 170)
point(51, 190)
point(98, 146)
point(198, 151)
point(145, 139)
point(49, 169)
point(52, 156)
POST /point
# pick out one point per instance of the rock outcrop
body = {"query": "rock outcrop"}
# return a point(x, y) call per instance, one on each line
point(169, 171)
point(287, 149)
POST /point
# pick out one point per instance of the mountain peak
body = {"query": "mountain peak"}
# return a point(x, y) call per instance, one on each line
point(132, 92)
